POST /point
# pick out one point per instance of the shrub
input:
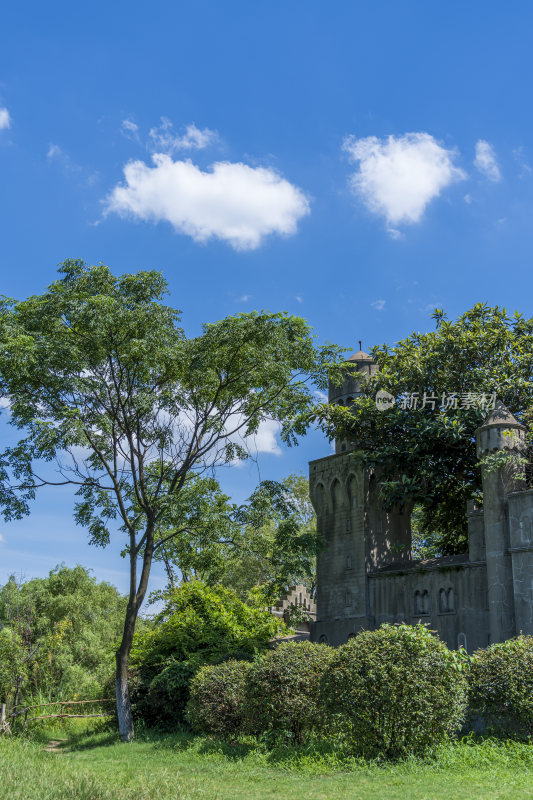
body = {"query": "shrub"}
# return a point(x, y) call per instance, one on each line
point(282, 689)
point(396, 690)
point(216, 702)
point(160, 699)
point(501, 686)
point(198, 625)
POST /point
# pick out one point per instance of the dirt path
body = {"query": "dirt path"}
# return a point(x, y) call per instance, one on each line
point(54, 745)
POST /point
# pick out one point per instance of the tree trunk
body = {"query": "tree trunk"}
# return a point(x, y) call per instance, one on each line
point(125, 721)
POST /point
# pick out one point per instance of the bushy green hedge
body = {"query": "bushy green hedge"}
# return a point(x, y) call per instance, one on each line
point(283, 689)
point(396, 690)
point(501, 686)
point(216, 701)
point(198, 625)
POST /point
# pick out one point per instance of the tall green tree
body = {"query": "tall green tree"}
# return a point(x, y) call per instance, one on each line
point(101, 378)
point(423, 449)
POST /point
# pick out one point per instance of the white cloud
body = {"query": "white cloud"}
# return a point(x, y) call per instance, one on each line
point(233, 202)
point(467, 199)
point(130, 130)
point(379, 305)
point(2, 539)
point(265, 440)
point(164, 140)
point(485, 161)
point(244, 298)
point(5, 118)
point(299, 299)
point(398, 176)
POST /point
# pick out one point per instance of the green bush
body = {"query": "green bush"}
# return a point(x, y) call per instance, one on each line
point(396, 690)
point(216, 702)
point(160, 698)
point(198, 625)
point(501, 686)
point(282, 689)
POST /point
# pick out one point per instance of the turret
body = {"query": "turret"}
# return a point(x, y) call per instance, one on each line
point(362, 366)
point(500, 432)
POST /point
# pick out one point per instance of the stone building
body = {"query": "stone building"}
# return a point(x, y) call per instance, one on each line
point(366, 575)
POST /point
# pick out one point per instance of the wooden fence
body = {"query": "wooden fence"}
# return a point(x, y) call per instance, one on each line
point(19, 711)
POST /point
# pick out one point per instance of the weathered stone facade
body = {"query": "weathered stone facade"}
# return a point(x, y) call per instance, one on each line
point(366, 576)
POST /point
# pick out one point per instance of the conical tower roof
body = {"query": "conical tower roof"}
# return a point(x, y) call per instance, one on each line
point(360, 356)
point(500, 416)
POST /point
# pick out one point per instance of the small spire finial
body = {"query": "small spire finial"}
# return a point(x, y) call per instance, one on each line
point(360, 344)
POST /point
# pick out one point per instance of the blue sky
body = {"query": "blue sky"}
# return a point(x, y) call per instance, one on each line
point(355, 163)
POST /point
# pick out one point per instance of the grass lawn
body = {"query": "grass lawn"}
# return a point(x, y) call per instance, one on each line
point(96, 766)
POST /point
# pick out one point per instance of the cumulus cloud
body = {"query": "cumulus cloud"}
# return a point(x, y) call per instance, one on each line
point(485, 161)
point(2, 539)
point(5, 118)
point(164, 140)
point(232, 201)
point(397, 177)
point(379, 305)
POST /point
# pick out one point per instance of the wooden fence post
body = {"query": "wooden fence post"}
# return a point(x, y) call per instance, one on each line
point(3, 718)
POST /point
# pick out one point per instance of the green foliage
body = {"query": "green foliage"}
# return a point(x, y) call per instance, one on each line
point(428, 455)
point(269, 541)
point(11, 663)
point(198, 625)
point(396, 691)
point(63, 631)
point(217, 699)
point(279, 541)
point(283, 689)
point(501, 686)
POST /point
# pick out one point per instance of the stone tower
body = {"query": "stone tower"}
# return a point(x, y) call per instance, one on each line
point(360, 536)
point(500, 433)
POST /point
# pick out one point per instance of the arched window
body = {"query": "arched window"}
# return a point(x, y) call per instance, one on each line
point(526, 529)
point(422, 605)
point(352, 491)
point(337, 495)
point(447, 600)
point(320, 498)
point(451, 599)
point(461, 640)
point(323, 639)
